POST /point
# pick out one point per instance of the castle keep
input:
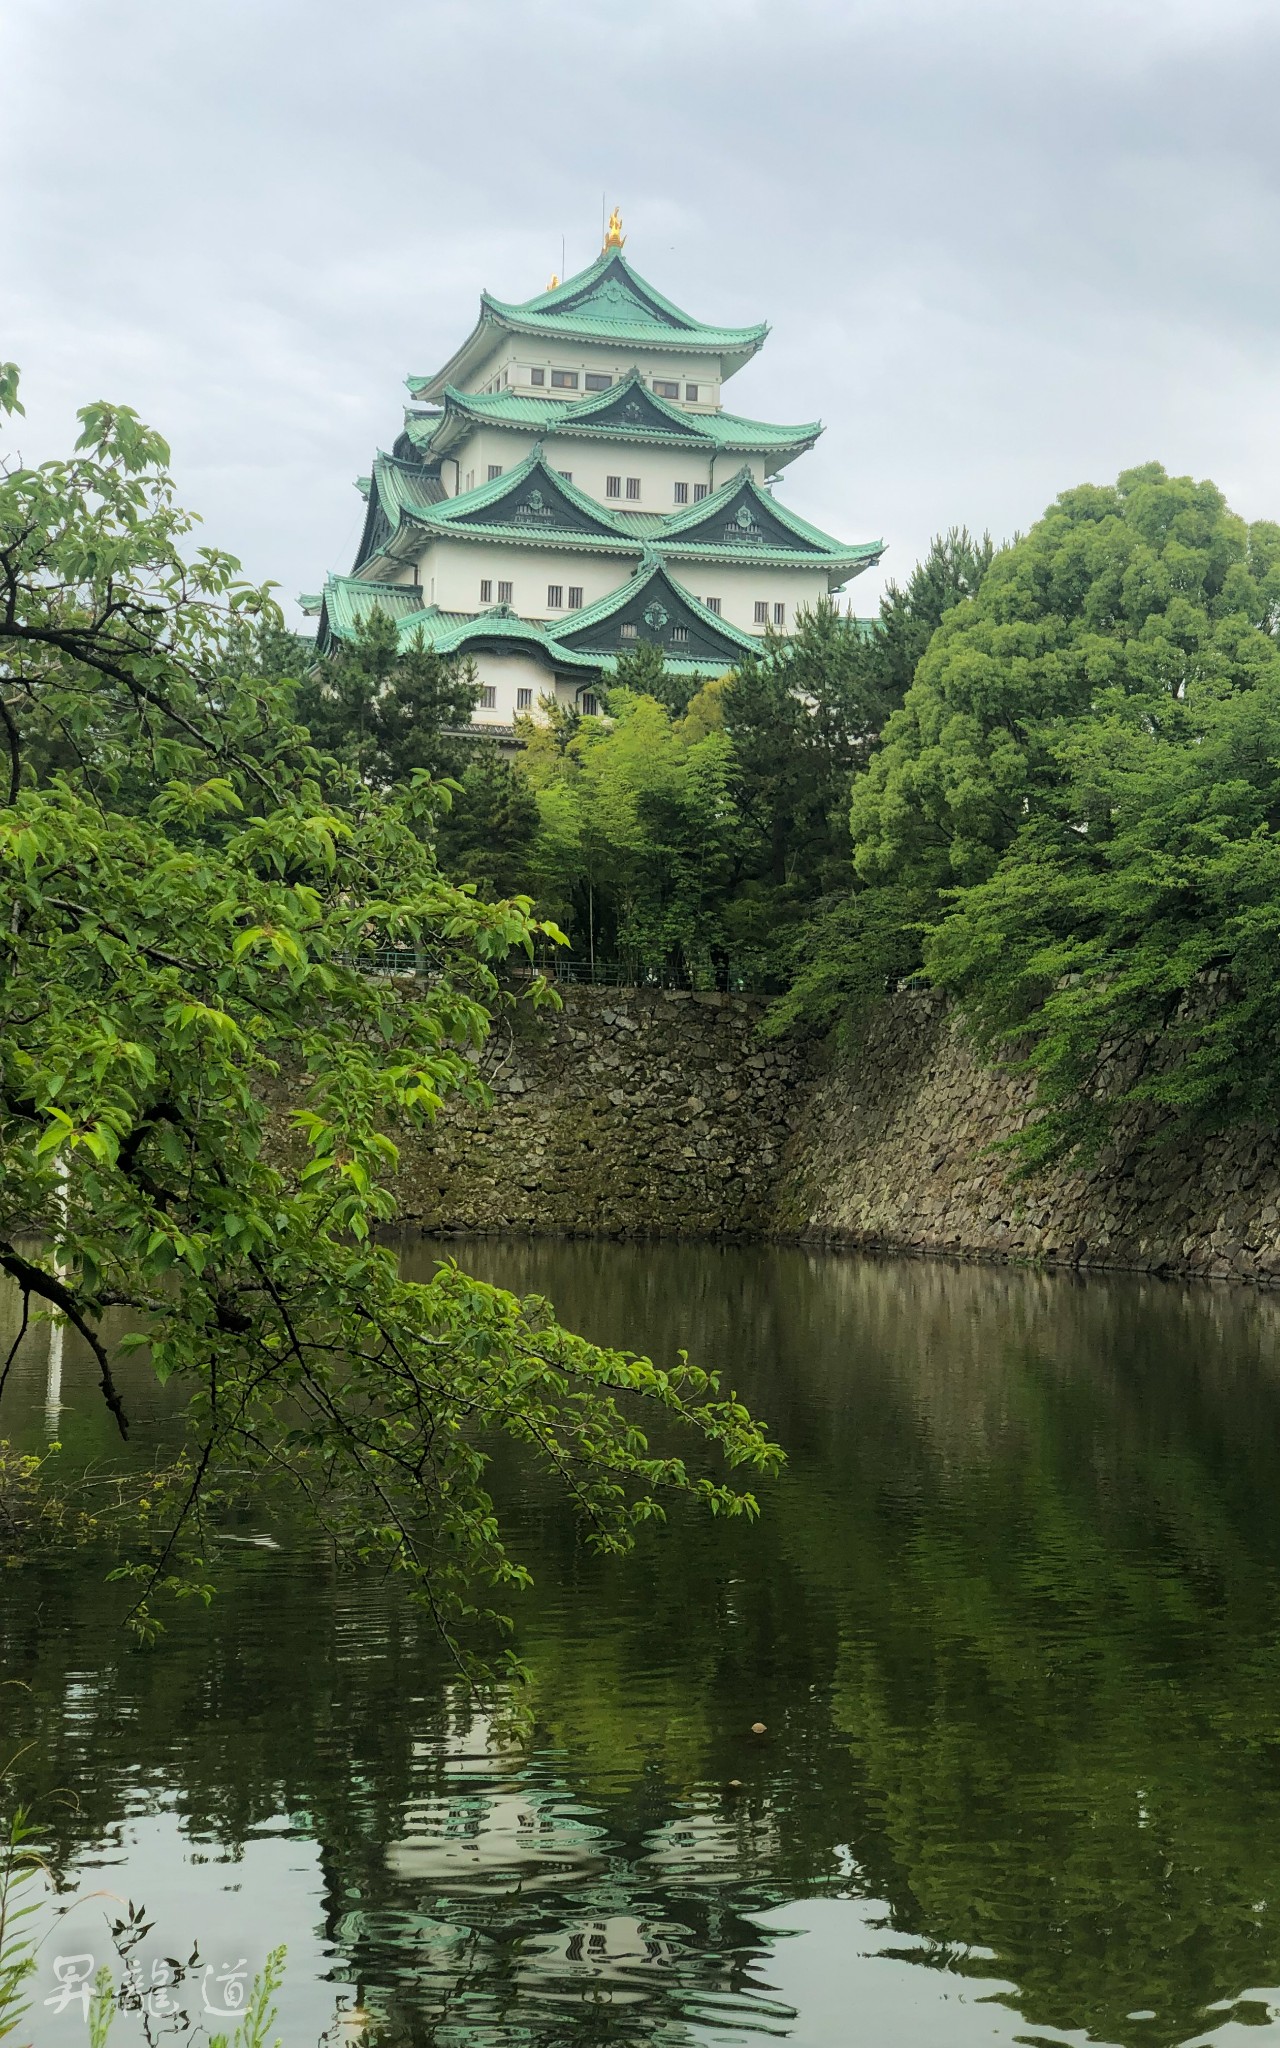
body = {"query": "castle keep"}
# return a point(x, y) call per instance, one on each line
point(569, 484)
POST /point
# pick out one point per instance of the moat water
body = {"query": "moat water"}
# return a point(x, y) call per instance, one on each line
point(1011, 1621)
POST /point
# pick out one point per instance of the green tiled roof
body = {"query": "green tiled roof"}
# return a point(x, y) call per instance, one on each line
point(610, 298)
point(395, 488)
point(606, 302)
point(347, 601)
point(661, 423)
point(532, 505)
point(712, 644)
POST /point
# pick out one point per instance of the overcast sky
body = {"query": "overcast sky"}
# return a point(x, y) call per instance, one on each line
point(1004, 245)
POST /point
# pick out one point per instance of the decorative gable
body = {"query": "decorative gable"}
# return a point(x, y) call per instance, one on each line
point(612, 293)
point(656, 609)
point(635, 410)
point(535, 503)
point(746, 521)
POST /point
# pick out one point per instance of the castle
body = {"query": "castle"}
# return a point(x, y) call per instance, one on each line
point(569, 485)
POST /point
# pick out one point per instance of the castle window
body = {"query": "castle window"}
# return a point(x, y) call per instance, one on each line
point(779, 615)
point(700, 492)
point(555, 597)
point(588, 705)
point(486, 590)
point(565, 380)
point(682, 494)
point(627, 632)
point(575, 597)
point(524, 700)
point(679, 636)
point(633, 487)
point(495, 469)
point(567, 474)
point(665, 388)
point(595, 382)
point(613, 487)
point(691, 393)
point(488, 699)
point(537, 376)
point(762, 612)
point(504, 593)
point(712, 604)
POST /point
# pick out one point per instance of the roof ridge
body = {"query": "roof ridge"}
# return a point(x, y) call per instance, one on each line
point(567, 297)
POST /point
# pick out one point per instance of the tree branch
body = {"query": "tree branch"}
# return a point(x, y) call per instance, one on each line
point(34, 1280)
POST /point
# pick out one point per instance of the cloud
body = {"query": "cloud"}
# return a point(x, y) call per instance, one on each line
point(1002, 247)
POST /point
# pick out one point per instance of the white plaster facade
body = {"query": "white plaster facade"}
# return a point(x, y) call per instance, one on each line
point(590, 464)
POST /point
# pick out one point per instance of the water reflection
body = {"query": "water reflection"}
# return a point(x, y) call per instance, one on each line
point(1010, 1622)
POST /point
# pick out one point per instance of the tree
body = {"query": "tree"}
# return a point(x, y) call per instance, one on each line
point(387, 709)
point(811, 731)
point(635, 847)
point(642, 672)
point(800, 716)
point(163, 965)
point(487, 835)
point(1116, 589)
point(1090, 748)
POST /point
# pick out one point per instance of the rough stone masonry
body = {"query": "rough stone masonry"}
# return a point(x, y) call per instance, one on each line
point(630, 1112)
point(637, 1113)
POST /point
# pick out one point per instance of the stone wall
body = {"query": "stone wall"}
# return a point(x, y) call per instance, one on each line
point(894, 1148)
point(628, 1113)
point(634, 1113)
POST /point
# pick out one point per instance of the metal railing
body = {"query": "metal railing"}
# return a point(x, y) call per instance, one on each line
point(693, 974)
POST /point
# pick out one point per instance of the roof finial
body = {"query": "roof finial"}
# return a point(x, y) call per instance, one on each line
point(553, 282)
point(614, 237)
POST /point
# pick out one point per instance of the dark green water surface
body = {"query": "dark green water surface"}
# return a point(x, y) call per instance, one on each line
point(1011, 1620)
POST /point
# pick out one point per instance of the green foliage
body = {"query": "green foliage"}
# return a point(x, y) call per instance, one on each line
point(388, 711)
point(642, 672)
point(844, 958)
point(801, 716)
point(487, 835)
point(103, 2009)
point(260, 2012)
point(840, 947)
point(1090, 748)
point(634, 847)
point(18, 1865)
point(706, 823)
point(910, 614)
point(187, 917)
point(1141, 589)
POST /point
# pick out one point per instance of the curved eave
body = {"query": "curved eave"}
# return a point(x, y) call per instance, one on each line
point(458, 426)
point(473, 352)
point(734, 346)
point(499, 633)
point(509, 536)
point(840, 566)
